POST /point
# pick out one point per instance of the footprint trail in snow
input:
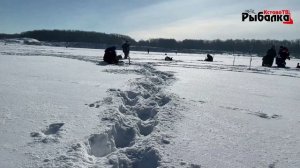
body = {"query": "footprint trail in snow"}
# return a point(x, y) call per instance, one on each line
point(137, 122)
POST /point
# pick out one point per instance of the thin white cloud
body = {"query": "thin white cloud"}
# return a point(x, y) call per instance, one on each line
point(206, 20)
point(227, 27)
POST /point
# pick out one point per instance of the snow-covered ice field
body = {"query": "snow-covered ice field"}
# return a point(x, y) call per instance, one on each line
point(60, 107)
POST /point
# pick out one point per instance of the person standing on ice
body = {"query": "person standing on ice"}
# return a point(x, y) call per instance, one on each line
point(269, 58)
point(283, 54)
point(126, 49)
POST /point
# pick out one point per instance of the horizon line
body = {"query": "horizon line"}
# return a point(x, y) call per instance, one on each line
point(296, 39)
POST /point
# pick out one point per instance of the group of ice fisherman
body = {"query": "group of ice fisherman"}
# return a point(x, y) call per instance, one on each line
point(280, 58)
point(111, 57)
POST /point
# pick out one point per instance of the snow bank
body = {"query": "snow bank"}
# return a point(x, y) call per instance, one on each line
point(28, 41)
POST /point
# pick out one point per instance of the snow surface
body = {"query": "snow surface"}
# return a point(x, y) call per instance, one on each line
point(64, 107)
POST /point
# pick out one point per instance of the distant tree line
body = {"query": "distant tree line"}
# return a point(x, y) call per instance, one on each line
point(7, 36)
point(231, 46)
point(76, 36)
point(188, 45)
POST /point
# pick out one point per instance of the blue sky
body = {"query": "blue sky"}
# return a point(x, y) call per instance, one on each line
point(144, 19)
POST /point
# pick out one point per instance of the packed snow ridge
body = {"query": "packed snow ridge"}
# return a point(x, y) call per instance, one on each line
point(134, 134)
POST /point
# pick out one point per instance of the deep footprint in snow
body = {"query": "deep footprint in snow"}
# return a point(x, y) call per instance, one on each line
point(147, 158)
point(136, 158)
point(163, 100)
point(53, 128)
point(131, 94)
point(145, 113)
point(146, 128)
point(124, 136)
point(101, 144)
point(48, 135)
point(130, 100)
point(119, 136)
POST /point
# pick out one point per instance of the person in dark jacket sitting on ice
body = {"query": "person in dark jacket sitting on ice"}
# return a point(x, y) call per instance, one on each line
point(269, 58)
point(167, 58)
point(110, 55)
point(209, 58)
point(283, 54)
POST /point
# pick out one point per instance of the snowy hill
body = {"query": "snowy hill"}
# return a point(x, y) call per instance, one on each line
point(60, 107)
point(29, 41)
